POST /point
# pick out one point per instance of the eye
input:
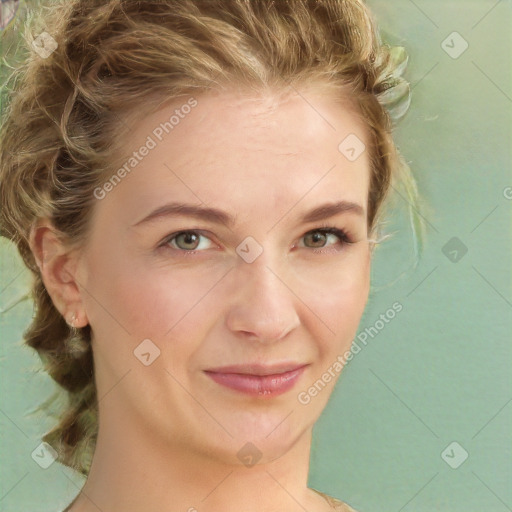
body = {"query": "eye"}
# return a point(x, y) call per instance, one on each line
point(320, 238)
point(187, 241)
point(324, 237)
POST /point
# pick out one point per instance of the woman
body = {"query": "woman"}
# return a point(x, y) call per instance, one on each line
point(197, 187)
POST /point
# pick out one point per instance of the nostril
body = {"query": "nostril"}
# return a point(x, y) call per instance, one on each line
point(263, 330)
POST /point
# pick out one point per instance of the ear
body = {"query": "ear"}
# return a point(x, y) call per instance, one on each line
point(57, 264)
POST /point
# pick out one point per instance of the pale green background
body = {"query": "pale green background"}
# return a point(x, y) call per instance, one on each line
point(441, 370)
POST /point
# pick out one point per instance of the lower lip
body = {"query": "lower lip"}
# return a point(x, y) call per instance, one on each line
point(263, 386)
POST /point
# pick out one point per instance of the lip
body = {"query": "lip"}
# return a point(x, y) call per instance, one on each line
point(263, 381)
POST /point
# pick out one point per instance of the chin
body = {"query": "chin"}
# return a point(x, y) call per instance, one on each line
point(251, 450)
point(260, 437)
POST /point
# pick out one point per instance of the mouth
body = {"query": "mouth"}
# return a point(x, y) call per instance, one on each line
point(263, 381)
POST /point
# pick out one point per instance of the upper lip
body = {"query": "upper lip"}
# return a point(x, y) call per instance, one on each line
point(258, 368)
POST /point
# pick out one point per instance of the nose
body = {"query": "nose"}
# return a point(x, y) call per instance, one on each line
point(263, 307)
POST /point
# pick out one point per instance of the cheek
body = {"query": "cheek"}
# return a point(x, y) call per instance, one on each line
point(337, 294)
point(159, 299)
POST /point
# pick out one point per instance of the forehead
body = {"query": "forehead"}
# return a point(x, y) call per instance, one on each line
point(242, 149)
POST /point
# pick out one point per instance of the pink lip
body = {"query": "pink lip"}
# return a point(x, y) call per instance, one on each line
point(258, 380)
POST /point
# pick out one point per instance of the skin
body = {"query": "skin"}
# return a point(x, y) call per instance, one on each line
point(169, 435)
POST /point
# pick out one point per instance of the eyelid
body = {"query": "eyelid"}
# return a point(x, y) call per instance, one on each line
point(343, 235)
point(165, 243)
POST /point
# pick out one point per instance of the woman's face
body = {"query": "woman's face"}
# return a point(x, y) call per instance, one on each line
point(235, 269)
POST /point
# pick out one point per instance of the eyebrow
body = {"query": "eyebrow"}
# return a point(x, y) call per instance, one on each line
point(217, 216)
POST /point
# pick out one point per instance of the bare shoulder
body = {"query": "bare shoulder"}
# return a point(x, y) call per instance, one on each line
point(336, 504)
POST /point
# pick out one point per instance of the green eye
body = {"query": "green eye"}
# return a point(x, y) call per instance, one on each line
point(188, 241)
point(315, 239)
point(320, 238)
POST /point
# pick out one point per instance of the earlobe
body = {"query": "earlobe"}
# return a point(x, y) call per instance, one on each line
point(57, 265)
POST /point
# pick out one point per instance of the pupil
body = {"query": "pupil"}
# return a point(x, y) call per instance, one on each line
point(318, 238)
point(189, 239)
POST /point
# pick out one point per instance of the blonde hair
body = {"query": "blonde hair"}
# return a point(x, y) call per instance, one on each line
point(68, 111)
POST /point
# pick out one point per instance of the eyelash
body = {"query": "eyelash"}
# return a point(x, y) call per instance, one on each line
point(342, 235)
